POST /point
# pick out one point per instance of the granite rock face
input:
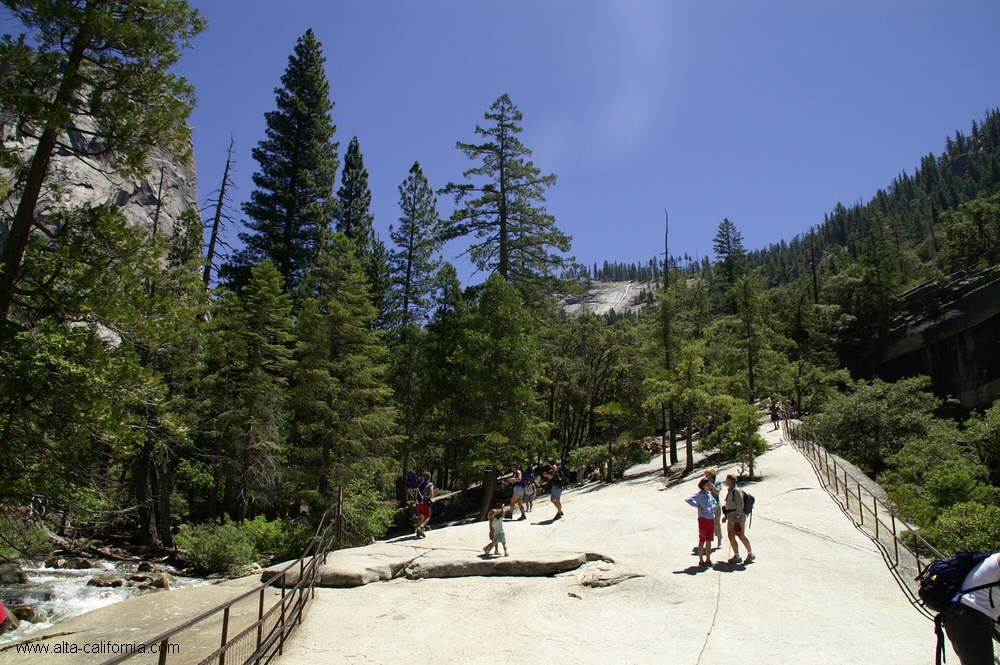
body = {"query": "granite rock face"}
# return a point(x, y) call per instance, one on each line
point(156, 199)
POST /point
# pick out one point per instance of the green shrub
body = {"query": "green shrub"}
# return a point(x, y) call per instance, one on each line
point(283, 539)
point(368, 514)
point(970, 525)
point(218, 548)
point(22, 540)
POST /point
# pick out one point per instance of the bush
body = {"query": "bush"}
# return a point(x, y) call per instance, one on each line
point(970, 525)
point(218, 548)
point(283, 539)
point(368, 514)
point(22, 540)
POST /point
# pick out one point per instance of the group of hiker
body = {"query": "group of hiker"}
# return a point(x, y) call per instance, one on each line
point(714, 510)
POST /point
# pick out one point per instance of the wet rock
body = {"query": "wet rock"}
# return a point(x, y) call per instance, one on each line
point(79, 563)
point(55, 562)
point(9, 624)
point(106, 581)
point(24, 613)
point(13, 574)
point(149, 567)
point(151, 580)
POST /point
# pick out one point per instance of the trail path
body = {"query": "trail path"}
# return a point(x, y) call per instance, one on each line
point(818, 593)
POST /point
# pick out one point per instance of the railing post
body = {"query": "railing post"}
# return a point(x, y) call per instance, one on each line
point(836, 479)
point(875, 513)
point(895, 539)
point(861, 505)
point(281, 638)
point(225, 635)
point(260, 617)
point(340, 517)
point(164, 646)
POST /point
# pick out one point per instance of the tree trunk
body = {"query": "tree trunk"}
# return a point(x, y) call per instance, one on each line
point(689, 465)
point(166, 483)
point(217, 219)
point(141, 470)
point(673, 434)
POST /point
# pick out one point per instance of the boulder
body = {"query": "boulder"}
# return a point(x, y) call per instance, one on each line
point(55, 562)
point(12, 574)
point(149, 567)
point(458, 563)
point(106, 581)
point(9, 624)
point(79, 563)
point(24, 613)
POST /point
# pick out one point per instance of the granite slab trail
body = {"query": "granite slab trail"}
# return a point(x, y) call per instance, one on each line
point(818, 593)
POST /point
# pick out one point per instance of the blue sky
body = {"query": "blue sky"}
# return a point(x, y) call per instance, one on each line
point(768, 113)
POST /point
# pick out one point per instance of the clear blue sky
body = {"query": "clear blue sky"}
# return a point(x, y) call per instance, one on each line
point(767, 113)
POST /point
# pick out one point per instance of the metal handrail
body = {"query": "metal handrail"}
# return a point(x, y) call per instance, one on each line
point(330, 535)
point(917, 557)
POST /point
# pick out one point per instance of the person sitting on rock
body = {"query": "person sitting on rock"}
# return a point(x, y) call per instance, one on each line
point(497, 535)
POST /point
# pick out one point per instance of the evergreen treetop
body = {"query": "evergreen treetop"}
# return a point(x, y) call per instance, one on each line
point(298, 162)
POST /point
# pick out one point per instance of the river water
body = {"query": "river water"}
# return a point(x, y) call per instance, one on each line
point(60, 594)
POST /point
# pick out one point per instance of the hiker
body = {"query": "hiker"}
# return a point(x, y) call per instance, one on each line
point(497, 535)
point(425, 492)
point(529, 487)
point(716, 489)
point(970, 625)
point(775, 416)
point(735, 516)
point(705, 502)
point(517, 498)
point(556, 481)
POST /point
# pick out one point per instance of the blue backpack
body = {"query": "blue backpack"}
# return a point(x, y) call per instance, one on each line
point(941, 587)
point(412, 480)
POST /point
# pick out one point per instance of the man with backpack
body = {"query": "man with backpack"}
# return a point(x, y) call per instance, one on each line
point(734, 513)
point(556, 481)
point(425, 492)
point(971, 620)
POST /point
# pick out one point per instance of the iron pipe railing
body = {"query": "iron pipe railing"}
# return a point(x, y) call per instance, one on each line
point(265, 637)
point(910, 553)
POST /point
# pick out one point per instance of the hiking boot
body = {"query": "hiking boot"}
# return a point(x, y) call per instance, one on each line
point(750, 558)
point(522, 517)
point(737, 559)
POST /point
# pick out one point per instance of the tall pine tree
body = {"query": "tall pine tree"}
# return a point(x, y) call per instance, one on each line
point(298, 161)
point(514, 235)
point(356, 222)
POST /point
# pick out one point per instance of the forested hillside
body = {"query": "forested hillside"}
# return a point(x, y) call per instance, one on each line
point(143, 404)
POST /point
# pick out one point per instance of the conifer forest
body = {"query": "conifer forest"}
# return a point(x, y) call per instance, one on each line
point(155, 385)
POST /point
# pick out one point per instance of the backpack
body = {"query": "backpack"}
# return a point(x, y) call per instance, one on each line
point(425, 491)
point(412, 481)
point(941, 585)
point(748, 502)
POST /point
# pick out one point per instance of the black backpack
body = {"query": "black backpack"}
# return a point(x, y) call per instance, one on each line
point(941, 586)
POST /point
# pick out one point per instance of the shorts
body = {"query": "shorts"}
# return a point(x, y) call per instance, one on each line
point(735, 525)
point(556, 492)
point(518, 490)
point(499, 538)
point(706, 530)
point(971, 635)
point(424, 509)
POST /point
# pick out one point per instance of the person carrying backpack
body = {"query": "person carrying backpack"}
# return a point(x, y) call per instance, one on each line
point(556, 481)
point(735, 515)
point(425, 492)
point(971, 620)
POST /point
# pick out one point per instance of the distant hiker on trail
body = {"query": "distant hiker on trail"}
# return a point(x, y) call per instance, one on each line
point(735, 516)
point(705, 502)
point(716, 489)
point(556, 482)
point(529, 488)
point(517, 498)
point(775, 415)
point(497, 535)
point(425, 492)
point(970, 625)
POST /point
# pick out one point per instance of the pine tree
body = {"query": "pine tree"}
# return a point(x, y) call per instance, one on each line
point(100, 66)
point(514, 235)
point(355, 221)
point(416, 262)
point(732, 261)
point(343, 418)
point(298, 162)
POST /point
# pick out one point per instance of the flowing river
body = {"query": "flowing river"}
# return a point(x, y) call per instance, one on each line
point(57, 594)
